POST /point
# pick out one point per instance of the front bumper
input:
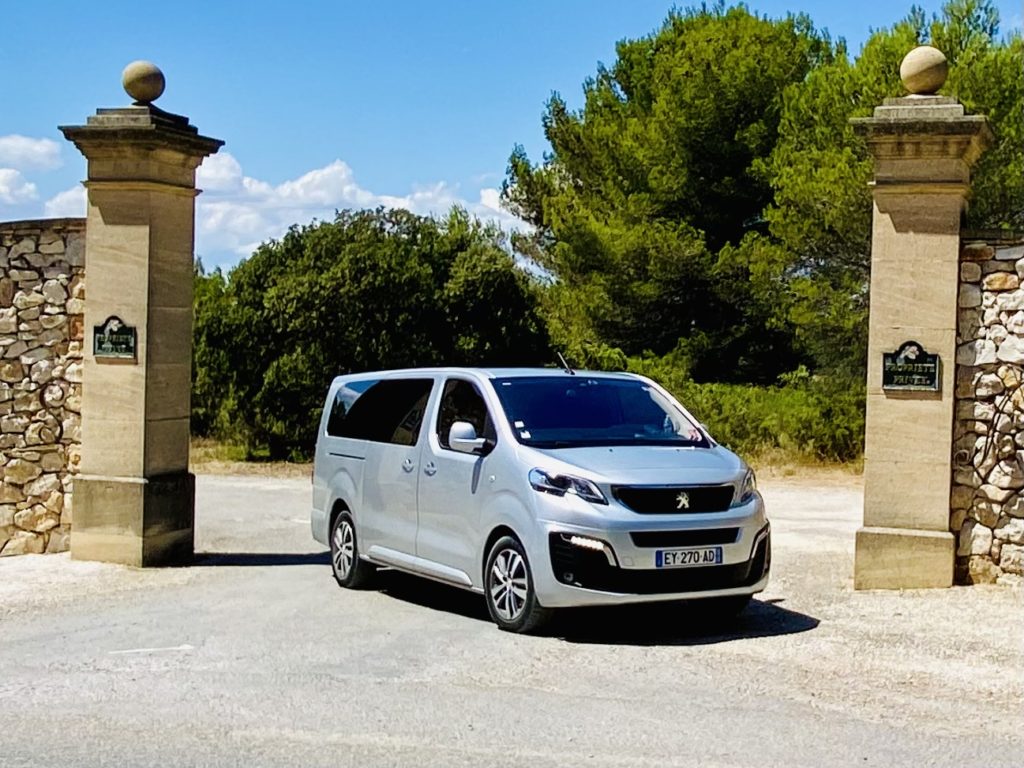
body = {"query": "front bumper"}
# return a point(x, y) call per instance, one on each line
point(624, 571)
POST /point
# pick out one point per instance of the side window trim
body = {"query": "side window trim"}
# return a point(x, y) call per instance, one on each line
point(489, 417)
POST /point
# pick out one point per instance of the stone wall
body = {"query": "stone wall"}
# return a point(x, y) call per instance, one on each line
point(42, 266)
point(988, 460)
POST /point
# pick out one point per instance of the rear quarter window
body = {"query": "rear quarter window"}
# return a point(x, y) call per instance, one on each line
point(385, 411)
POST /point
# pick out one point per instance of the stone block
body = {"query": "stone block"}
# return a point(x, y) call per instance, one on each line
point(43, 485)
point(144, 522)
point(979, 352)
point(74, 250)
point(989, 384)
point(60, 541)
point(1010, 529)
point(985, 512)
point(1011, 350)
point(994, 493)
point(1011, 301)
point(970, 296)
point(1011, 559)
point(50, 249)
point(36, 518)
point(11, 371)
point(1009, 252)
point(24, 543)
point(981, 570)
point(19, 472)
point(1007, 475)
point(970, 272)
point(893, 558)
point(1014, 506)
point(962, 497)
point(975, 539)
point(977, 252)
point(1001, 281)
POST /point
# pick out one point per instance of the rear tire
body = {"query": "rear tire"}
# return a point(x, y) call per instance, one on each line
point(350, 571)
point(508, 589)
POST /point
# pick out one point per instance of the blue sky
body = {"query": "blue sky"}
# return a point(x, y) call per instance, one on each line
point(326, 105)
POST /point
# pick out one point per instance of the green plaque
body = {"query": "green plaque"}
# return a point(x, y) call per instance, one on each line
point(112, 339)
point(911, 368)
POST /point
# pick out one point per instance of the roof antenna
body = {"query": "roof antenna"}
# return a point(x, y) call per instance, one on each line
point(565, 366)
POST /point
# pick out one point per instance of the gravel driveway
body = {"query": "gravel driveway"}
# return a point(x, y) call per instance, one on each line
point(253, 657)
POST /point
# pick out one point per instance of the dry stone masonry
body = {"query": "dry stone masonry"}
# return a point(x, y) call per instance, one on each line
point(988, 460)
point(42, 292)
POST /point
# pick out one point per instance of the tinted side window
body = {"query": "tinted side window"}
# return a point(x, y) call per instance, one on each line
point(389, 411)
point(344, 399)
point(462, 401)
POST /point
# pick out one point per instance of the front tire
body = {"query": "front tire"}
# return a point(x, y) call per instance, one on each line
point(350, 571)
point(508, 589)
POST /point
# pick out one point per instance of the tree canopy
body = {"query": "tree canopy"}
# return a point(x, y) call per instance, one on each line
point(368, 291)
point(709, 198)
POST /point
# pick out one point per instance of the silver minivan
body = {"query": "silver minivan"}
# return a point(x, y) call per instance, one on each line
point(538, 488)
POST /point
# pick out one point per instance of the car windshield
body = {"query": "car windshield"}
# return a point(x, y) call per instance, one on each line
point(579, 411)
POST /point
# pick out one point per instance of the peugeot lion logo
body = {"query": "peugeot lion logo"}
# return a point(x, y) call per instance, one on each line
point(683, 500)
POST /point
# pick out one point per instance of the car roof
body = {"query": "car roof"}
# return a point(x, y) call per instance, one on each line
point(491, 373)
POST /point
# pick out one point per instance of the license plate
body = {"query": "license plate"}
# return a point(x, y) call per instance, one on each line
point(687, 558)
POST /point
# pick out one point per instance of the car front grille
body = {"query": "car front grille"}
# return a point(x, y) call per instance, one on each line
point(685, 538)
point(677, 500)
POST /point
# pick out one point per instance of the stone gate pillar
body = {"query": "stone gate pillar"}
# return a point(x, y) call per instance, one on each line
point(134, 496)
point(923, 146)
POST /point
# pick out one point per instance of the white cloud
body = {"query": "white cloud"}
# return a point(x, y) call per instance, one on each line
point(69, 203)
point(219, 172)
point(14, 189)
point(237, 212)
point(22, 152)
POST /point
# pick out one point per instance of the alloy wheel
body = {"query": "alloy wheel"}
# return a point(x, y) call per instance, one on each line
point(509, 583)
point(344, 549)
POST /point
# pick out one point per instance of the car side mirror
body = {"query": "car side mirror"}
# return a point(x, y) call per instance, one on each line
point(462, 438)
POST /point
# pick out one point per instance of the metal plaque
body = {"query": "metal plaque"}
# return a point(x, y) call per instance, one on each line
point(113, 339)
point(911, 368)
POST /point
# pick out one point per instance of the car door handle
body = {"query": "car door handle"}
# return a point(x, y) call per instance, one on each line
point(430, 469)
point(408, 466)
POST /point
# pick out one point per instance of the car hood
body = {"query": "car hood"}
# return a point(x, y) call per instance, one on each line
point(647, 465)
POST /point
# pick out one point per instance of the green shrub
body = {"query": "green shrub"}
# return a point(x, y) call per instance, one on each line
point(368, 291)
point(805, 417)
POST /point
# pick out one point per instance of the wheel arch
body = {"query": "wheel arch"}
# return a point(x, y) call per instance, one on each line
point(339, 506)
point(500, 530)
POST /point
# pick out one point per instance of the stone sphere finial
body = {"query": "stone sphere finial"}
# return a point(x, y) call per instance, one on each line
point(924, 70)
point(143, 81)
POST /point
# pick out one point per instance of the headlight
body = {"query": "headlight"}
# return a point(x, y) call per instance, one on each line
point(559, 485)
point(746, 490)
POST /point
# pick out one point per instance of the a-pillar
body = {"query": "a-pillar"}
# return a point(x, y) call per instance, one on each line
point(923, 147)
point(134, 497)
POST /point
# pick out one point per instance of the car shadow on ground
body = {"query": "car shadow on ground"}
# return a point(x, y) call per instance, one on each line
point(204, 559)
point(677, 624)
point(648, 624)
point(430, 594)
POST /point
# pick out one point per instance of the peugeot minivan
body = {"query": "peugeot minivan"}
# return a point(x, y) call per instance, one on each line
point(537, 488)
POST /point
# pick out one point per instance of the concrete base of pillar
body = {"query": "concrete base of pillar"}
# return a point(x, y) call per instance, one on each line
point(144, 522)
point(900, 558)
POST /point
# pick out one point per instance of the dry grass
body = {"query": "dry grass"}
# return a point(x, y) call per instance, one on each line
point(779, 465)
point(210, 457)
